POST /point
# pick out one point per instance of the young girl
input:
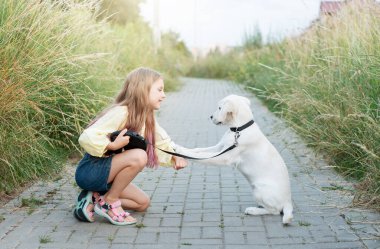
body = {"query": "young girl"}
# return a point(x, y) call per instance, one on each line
point(112, 176)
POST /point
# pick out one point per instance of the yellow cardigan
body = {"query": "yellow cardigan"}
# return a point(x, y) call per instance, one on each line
point(94, 139)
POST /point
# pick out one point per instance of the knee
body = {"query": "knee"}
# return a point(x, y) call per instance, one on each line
point(144, 204)
point(140, 159)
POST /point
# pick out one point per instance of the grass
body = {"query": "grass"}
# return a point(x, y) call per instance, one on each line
point(140, 225)
point(215, 65)
point(41, 100)
point(325, 83)
point(304, 223)
point(111, 238)
point(59, 67)
point(334, 187)
point(31, 203)
point(44, 239)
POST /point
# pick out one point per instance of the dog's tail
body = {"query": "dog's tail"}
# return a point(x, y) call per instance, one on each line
point(288, 213)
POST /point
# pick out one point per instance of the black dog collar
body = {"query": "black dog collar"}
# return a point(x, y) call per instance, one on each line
point(238, 129)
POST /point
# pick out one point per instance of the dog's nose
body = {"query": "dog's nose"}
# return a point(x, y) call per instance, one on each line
point(211, 116)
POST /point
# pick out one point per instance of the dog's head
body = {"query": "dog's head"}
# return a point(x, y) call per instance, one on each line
point(232, 110)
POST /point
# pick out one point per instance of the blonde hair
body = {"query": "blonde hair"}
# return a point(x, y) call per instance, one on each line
point(135, 95)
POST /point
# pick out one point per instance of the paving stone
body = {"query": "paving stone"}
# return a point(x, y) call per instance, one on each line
point(247, 247)
point(212, 233)
point(151, 246)
point(170, 222)
point(191, 233)
point(168, 238)
point(146, 237)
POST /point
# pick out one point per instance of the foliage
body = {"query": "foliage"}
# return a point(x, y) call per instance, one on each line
point(253, 40)
point(120, 12)
point(59, 66)
point(214, 65)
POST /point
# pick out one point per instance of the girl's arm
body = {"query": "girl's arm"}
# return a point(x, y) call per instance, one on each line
point(179, 162)
point(95, 141)
point(119, 142)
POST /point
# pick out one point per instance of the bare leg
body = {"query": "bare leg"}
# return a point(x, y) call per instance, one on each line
point(124, 168)
point(133, 198)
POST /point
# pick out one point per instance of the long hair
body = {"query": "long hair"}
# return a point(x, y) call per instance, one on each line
point(135, 95)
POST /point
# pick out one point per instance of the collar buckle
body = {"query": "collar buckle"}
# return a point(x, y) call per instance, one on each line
point(237, 135)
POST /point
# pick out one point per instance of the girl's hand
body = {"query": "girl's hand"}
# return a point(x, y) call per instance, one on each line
point(179, 162)
point(119, 142)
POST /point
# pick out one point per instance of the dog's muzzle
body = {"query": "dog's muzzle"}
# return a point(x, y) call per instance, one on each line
point(217, 123)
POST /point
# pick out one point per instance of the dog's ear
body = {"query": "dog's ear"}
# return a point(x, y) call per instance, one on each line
point(228, 107)
point(229, 110)
point(246, 100)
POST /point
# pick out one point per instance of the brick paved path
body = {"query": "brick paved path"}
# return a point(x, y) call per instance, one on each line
point(202, 206)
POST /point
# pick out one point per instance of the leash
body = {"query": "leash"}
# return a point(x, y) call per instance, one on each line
point(196, 158)
point(237, 131)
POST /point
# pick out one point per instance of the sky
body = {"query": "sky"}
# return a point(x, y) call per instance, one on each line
point(210, 23)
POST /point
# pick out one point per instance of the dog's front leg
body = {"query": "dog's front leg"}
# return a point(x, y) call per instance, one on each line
point(206, 151)
point(227, 158)
point(195, 151)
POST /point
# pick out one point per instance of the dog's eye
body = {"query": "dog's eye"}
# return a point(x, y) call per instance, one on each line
point(220, 108)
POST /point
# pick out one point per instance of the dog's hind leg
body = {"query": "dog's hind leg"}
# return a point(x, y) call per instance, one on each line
point(288, 214)
point(259, 211)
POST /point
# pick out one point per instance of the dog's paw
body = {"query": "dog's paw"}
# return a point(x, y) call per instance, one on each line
point(287, 219)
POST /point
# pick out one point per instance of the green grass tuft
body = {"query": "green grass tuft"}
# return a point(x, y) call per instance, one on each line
point(44, 239)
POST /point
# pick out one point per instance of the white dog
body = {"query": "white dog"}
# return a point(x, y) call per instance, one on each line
point(254, 156)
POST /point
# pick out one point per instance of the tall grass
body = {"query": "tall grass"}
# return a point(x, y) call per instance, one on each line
point(41, 106)
point(326, 83)
point(215, 65)
point(59, 66)
point(334, 99)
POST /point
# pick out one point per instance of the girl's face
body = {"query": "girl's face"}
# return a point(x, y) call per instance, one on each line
point(156, 94)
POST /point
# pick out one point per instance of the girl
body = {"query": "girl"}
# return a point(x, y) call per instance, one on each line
point(98, 174)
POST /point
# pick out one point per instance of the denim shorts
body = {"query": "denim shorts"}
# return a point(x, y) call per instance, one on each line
point(92, 173)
